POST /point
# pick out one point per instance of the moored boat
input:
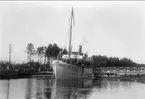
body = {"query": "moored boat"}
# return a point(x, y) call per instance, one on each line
point(73, 65)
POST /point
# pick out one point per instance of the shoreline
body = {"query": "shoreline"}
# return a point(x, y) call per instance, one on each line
point(138, 78)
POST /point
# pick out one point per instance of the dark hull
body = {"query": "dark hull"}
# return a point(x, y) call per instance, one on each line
point(67, 71)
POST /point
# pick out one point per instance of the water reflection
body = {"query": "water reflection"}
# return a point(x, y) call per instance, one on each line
point(45, 88)
point(117, 89)
point(38, 88)
point(111, 83)
point(73, 89)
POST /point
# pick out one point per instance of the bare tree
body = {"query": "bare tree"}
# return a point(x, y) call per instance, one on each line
point(30, 51)
point(41, 54)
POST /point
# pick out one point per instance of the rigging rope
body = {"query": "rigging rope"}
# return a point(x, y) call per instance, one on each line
point(70, 20)
point(68, 34)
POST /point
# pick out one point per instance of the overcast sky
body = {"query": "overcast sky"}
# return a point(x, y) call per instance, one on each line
point(103, 27)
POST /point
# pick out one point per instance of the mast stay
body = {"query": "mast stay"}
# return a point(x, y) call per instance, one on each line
point(72, 21)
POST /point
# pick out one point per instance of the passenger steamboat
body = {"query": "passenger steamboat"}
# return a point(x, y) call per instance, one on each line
point(74, 65)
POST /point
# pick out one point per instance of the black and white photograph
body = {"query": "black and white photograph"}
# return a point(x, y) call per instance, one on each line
point(72, 49)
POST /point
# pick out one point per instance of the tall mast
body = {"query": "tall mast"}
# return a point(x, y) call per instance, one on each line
point(70, 37)
point(9, 53)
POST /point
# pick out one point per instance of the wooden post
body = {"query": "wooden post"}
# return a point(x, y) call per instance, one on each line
point(9, 55)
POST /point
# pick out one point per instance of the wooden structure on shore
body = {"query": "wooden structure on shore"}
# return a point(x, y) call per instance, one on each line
point(118, 71)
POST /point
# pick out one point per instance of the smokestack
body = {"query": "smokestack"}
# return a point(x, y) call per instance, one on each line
point(80, 49)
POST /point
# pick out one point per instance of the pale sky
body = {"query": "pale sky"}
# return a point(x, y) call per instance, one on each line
point(110, 28)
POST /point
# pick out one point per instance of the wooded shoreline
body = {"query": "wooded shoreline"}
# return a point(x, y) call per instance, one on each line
point(44, 55)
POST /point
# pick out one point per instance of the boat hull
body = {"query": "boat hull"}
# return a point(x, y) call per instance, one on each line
point(67, 71)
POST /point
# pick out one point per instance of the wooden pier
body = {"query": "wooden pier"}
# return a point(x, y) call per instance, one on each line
point(118, 71)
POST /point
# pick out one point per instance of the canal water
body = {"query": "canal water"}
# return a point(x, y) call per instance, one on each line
point(45, 88)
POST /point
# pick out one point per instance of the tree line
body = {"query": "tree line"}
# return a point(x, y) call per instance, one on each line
point(52, 50)
point(104, 61)
point(43, 53)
